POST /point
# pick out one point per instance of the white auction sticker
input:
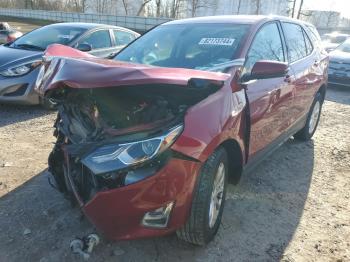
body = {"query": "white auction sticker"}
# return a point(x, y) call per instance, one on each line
point(216, 41)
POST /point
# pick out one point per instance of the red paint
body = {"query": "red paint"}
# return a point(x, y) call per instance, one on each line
point(65, 51)
point(269, 68)
point(275, 104)
point(118, 213)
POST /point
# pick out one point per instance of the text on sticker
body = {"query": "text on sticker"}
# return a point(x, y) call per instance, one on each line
point(216, 41)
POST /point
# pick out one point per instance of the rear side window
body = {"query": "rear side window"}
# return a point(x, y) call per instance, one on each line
point(314, 36)
point(312, 31)
point(122, 37)
point(267, 45)
point(295, 41)
point(309, 47)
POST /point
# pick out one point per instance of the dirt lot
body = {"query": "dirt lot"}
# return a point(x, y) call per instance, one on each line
point(294, 207)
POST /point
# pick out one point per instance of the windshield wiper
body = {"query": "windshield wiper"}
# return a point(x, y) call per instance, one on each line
point(30, 47)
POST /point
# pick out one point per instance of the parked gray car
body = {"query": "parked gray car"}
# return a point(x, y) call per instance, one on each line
point(20, 60)
point(339, 65)
point(333, 40)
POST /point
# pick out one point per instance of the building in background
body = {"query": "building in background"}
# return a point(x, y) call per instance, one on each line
point(321, 18)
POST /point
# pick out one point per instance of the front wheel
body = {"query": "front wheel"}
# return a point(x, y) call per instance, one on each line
point(47, 104)
point(312, 120)
point(208, 201)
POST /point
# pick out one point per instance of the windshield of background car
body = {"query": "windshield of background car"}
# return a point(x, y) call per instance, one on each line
point(335, 39)
point(193, 46)
point(344, 47)
point(41, 38)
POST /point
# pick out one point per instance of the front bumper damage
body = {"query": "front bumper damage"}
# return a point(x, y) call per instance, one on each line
point(116, 105)
point(118, 213)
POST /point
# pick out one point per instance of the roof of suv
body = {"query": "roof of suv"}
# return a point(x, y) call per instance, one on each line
point(235, 19)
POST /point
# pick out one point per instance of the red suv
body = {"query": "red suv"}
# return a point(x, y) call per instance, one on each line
point(147, 144)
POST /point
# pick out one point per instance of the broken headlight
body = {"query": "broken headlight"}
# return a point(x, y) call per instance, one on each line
point(118, 156)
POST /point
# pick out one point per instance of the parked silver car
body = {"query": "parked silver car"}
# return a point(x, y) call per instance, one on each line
point(7, 33)
point(333, 40)
point(339, 65)
point(20, 60)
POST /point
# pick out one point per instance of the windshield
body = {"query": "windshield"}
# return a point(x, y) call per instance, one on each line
point(40, 38)
point(344, 47)
point(194, 46)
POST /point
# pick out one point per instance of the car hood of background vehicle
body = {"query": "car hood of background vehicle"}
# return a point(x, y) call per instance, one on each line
point(92, 72)
point(339, 56)
point(12, 56)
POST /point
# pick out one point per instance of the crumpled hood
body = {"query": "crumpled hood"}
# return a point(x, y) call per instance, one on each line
point(81, 70)
point(11, 56)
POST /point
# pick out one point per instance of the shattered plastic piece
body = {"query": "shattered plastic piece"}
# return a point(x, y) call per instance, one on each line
point(118, 251)
point(6, 164)
point(77, 248)
point(27, 231)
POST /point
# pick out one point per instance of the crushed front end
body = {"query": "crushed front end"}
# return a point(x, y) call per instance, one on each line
point(114, 152)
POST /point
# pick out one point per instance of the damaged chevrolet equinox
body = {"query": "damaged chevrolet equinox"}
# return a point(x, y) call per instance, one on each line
point(147, 142)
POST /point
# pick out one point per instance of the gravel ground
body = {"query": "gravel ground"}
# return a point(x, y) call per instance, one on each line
point(293, 207)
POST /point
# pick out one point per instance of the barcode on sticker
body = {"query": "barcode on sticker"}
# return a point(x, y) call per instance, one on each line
point(216, 41)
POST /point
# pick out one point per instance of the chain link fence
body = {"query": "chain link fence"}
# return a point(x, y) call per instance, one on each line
point(136, 23)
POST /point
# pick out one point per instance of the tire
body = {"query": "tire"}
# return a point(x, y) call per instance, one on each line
point(47, 104)
point(201, 226)
point(313, 118)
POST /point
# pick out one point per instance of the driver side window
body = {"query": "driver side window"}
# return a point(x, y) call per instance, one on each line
point(267, 45)
point(98, 39)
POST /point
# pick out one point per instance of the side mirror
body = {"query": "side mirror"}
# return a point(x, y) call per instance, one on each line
point(84, 47)
point(265, 69)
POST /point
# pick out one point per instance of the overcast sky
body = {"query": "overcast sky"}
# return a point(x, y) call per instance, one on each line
point(343, 6)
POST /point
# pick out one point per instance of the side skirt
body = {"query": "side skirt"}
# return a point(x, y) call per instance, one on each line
point(254, 161)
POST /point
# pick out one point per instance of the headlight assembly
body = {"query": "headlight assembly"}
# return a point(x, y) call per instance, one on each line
point(20, 70)
point(118, 156)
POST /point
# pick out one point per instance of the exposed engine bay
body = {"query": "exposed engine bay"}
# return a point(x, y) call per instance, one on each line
point(111, 137)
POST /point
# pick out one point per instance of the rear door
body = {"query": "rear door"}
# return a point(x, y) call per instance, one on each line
point(270, 100)
point(305, 64)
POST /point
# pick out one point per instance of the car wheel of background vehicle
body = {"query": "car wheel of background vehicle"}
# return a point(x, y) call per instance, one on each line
point(208, 201)
point(312, 120)
point(47, 104)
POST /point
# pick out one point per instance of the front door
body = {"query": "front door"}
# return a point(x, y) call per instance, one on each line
point(270, 100)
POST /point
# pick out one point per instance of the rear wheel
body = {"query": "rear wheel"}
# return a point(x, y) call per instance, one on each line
point(208, 201)
point(312, 120)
